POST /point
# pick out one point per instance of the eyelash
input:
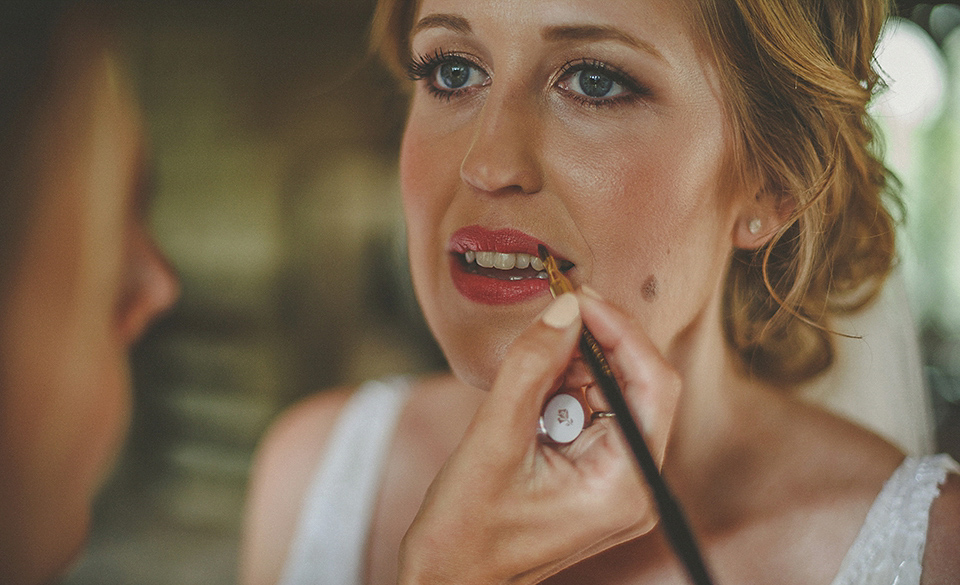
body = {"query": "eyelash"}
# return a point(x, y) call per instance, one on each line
point(424, 67)
point(633, 90)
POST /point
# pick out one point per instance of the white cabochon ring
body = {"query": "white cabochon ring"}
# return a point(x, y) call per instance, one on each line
point(566, 415)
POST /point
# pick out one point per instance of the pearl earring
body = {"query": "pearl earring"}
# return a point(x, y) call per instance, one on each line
point(754, 226)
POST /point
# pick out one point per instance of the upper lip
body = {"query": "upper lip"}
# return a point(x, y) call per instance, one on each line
point(503, 240)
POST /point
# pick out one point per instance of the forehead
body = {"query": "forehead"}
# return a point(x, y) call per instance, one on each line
point(666, 26)
point(631, 14)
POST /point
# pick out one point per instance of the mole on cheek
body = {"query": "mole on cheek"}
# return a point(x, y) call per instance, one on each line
point(649, 290)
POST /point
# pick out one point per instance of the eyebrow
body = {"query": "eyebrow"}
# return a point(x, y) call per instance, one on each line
point(599, 33)
point(450, 21)
point(554, 34)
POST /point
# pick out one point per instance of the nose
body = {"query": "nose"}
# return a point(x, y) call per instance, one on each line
point(503, 156)
point(151, 286)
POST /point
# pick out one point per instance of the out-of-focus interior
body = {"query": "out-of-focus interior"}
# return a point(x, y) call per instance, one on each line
point(274, 137)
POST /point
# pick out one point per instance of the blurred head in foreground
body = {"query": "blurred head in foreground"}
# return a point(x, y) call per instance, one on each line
point(80, 277)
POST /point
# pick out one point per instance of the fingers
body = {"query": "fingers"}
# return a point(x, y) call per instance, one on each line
point(490, 514)
point(651, 386)
point(530, 370)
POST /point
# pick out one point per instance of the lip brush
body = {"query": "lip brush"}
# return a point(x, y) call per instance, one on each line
point(674, 521)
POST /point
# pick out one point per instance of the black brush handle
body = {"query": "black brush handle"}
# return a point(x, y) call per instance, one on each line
point(674, 521)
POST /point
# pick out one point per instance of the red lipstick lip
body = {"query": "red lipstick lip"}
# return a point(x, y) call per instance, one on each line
point(504, 241)
point(484, 289)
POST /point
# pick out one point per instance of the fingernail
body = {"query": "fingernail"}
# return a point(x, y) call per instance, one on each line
point(590, 292)
point(562, 312)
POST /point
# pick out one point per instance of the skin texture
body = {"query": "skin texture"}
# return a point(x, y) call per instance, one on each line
point(87, 283)
point(637, 194)
point(638, 184)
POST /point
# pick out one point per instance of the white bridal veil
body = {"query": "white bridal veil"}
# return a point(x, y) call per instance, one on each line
point(877, 380)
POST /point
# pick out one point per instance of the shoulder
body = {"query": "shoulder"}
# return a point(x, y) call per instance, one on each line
point(282, 469)
point(851, 463)
point(941, 563)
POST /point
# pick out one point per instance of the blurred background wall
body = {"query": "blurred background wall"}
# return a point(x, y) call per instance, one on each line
point(275, 139)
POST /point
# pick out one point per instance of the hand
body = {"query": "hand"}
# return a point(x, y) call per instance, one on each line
point(509, 508)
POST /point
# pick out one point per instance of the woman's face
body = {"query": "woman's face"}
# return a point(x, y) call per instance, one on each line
point(595, 127)
point(88, 280)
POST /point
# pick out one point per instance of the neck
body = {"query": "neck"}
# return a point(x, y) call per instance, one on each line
point(721, 418)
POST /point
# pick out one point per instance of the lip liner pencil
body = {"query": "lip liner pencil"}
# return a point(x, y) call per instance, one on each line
point(674, 521)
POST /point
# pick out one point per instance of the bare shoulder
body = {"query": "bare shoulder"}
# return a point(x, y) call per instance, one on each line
point(941, 561)
point(282, 469)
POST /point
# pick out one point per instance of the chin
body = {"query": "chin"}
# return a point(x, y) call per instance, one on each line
point(474, 338)
point(470, 374)
point(474, 355)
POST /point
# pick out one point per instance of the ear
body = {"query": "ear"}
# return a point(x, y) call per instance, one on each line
point(760, 219)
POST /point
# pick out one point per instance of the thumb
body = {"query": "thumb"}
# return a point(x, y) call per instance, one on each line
point(530, 370)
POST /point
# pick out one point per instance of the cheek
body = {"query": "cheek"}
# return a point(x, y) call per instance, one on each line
point(63, 358)
point(416, 181)
point(646, 196)
point(429, 179)
point(67, 407)
point(107, 413)
point(652, 214)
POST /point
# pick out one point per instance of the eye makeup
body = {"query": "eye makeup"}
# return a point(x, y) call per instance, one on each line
point(447, 75)
point(674, 521)
point(598, 84)
point(588, 82)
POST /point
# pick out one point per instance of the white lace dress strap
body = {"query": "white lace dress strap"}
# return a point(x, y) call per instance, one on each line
point(329, 545)
point(889, 548)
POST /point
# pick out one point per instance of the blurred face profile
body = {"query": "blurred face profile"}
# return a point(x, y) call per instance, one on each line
point(87, 281)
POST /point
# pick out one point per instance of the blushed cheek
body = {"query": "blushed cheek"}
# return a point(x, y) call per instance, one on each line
point(413, 180)
point(428, 179)
point(418, 186)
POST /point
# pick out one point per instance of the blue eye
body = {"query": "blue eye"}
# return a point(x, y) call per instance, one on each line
point(446, 75)
point(594, 83)
point(453, 74)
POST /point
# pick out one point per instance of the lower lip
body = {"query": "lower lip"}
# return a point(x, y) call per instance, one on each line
point(492, 291)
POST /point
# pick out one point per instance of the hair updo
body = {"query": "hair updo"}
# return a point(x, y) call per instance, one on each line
point(796, 77)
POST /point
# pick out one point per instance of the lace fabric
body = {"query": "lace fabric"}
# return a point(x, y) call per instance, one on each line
point(889, 547)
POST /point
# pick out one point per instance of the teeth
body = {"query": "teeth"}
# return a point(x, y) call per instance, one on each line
point(503, 261)
point(486, 259)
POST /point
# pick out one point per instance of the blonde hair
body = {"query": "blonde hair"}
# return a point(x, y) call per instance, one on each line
point(796, 76)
